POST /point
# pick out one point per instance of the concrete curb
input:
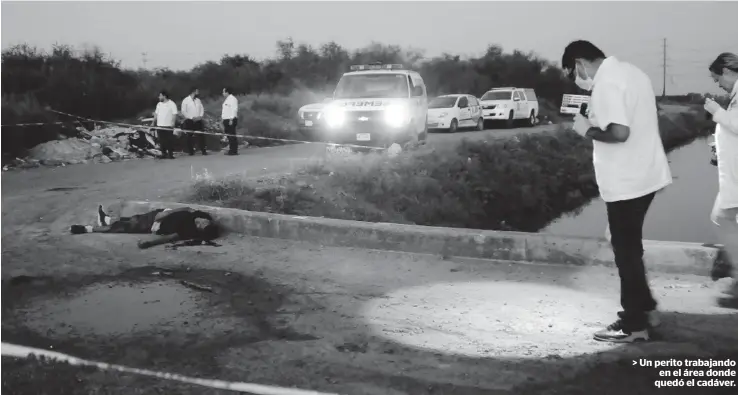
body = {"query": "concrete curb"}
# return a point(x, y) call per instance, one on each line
point(671, 257)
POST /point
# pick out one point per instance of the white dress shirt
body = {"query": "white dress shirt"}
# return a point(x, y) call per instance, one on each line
point(192, 108)
point(726, 145)
point(623, 94)
point(166, 113)
point(230, 108)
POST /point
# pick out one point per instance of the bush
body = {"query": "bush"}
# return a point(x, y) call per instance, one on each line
point(517, 184)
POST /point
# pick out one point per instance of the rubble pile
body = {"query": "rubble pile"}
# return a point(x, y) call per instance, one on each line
point(99, 146)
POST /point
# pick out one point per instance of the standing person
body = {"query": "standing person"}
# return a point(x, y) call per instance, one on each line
point(164, 117)
point(630, 167)
point(230, 120)
point(193, 113)
point(724, 214)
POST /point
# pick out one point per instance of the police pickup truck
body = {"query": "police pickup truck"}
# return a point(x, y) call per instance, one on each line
point(377, 105)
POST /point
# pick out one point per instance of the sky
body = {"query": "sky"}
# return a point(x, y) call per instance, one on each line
point(179, 34)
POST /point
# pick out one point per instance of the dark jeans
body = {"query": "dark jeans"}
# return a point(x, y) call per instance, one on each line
point(189, 124)
point(230, 130)
point(166, 141)
point(626, 219)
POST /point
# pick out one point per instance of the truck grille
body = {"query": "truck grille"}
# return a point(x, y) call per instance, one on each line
point(310, 115)
point(490, 107)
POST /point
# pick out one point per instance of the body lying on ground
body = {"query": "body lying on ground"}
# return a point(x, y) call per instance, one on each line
point(170, 225)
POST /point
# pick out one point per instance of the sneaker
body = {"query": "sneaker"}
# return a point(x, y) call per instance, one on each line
point(77, 229)
point(103, 219)
point(616, 333)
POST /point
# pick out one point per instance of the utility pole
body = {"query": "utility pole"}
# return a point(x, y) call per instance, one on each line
point(663, 92)
point(144, 59)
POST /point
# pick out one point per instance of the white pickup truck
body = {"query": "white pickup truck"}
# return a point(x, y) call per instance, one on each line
point(570, 104)
point(510, 105)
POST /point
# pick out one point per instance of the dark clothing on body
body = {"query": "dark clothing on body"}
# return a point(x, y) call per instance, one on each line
point(230, 130)
point(189, 124)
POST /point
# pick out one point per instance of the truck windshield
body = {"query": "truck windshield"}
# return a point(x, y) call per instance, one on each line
point(442, 102)
point(497, 95)
point(375, 86)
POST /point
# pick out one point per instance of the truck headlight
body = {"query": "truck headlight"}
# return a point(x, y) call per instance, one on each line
point(397, 116)
point(334, 116)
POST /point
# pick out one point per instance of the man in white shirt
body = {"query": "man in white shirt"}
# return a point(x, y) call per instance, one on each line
point(193, 111)
point(165, 116)
point(724, 72)
point(229, 115)
point(630, 167)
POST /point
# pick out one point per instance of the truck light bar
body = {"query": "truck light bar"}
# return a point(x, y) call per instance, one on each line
point(362, 67)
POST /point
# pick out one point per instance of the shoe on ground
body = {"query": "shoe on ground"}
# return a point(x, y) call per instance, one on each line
point(77, 229)
point(231, 153)
point(617, 333)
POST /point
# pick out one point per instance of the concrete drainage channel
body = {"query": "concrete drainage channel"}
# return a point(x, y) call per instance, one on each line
point(147, 317)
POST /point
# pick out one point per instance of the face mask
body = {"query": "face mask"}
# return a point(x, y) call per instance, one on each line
point(584, 84)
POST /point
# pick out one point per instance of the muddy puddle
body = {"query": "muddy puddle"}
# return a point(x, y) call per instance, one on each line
point(148, 315)
point(117, 308)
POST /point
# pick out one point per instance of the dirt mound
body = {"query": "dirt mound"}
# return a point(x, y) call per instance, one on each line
point(65, 151)
point(99, 146)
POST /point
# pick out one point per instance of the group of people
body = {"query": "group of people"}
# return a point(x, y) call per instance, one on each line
point(631, 167)
point(166, 116)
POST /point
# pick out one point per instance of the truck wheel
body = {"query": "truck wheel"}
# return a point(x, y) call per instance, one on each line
point(454, 126)
point(510, 121)
point(532, 119)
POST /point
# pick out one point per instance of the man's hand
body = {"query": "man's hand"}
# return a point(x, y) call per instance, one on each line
point(581, 124)
point(712, 106)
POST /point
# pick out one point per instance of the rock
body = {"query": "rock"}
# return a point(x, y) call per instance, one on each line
point(103, 159)
point(301, 184)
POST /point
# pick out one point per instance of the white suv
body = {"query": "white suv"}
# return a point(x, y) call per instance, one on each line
point(510, 105)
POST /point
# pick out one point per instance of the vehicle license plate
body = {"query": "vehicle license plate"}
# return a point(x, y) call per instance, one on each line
point(308, 123)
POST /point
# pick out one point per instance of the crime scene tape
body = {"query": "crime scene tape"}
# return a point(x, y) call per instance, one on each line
point(39, 124)
point(17, 351)
point(214, 133)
